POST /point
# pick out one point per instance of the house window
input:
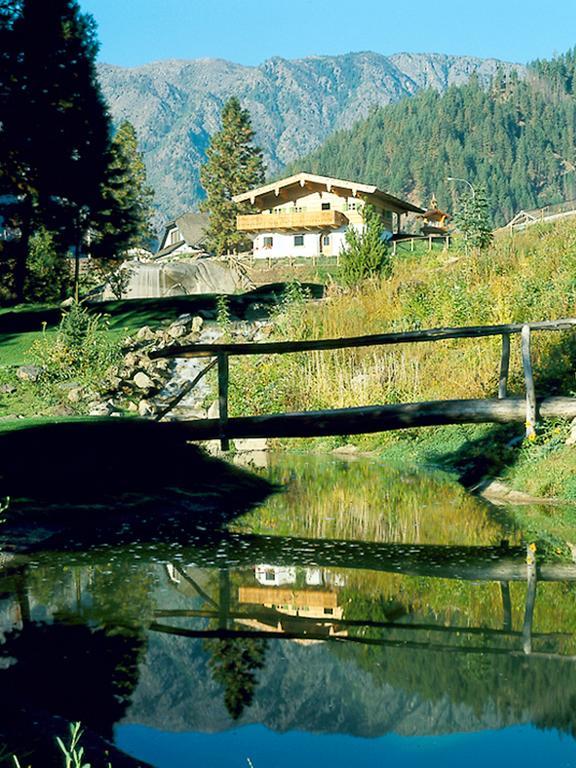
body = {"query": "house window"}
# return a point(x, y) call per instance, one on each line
point(298, 240)
point(328, 611)
point(326, 240)
point(267, 242)
point(174, 237)
point(270, 575)
point(325, 206)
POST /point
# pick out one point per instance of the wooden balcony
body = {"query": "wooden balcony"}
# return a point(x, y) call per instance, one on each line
point(296, 222)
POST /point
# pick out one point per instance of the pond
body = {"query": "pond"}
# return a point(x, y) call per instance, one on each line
point(367, 615)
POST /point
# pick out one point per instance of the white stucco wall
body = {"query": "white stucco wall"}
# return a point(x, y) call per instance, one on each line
point(283, 246)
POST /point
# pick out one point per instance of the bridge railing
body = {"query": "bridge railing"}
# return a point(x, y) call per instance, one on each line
point(221, 352)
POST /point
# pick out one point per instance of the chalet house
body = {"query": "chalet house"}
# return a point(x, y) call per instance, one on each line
point(308, 215)
point(186, 235)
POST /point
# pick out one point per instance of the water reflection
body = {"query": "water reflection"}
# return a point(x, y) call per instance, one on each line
point(382, 626)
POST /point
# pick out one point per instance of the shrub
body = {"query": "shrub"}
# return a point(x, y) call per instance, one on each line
point(81, 349)
point(366, 253)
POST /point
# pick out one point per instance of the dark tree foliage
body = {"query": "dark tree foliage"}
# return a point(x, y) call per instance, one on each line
point(233, 165)
point(123, 221)
point(233, 663)
point(516, 139)
point(55, 127)
point(60, 171)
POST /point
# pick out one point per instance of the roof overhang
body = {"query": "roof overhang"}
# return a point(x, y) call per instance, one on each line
point(293, 187)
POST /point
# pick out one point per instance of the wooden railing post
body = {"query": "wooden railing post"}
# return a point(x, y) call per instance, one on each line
point(529, 383)
point(504, 367)
point(223, 377)
point(506, 606)
point(530, 598)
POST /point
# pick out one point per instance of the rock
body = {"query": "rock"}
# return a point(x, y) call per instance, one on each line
point(176, 331)
point(75, 394)
point(132, 407)
point(571, 439)
point(29, 372)
point(146, 408)
point(251, 444)
point(143, 381)
point(7, 389)
point(345, 450)
point(145, 334)
point(64, 410)
point(102, 409)
point(131, 360)
point(197, 323)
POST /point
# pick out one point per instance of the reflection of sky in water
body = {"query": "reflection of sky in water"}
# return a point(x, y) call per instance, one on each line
point(266, 749)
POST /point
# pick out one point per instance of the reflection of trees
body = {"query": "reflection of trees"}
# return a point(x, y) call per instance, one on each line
point(233, 663)
point(541, 690)
point(332, 499)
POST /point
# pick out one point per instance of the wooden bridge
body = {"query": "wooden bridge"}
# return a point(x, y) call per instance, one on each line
point(374, 418)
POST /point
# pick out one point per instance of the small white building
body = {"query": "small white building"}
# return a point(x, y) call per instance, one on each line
point(308, 215)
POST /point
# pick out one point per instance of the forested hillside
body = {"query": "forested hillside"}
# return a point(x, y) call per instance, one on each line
point(516, 138)
point(175, 106)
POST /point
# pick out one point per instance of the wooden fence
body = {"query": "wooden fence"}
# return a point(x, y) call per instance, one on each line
point(365, 419)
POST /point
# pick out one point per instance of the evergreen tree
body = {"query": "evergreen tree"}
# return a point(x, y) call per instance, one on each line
point(473, 219)
point(124, 220)
point(233, 165)
point(233, 663)
point(54, 126)
point(366, 253)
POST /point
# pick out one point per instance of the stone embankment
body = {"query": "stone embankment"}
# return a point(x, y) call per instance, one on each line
point(148, 387)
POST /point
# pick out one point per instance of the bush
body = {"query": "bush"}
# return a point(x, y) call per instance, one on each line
point(366, 253)
point(81, 349)
point(49, 275)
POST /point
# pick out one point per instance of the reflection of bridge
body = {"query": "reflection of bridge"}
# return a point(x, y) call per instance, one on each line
point(349, 421)
point(497, 564)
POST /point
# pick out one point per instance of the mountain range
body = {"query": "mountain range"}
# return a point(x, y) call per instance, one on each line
point(295, 105)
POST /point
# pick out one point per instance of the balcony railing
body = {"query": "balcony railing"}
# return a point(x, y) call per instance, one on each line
point(266, 222)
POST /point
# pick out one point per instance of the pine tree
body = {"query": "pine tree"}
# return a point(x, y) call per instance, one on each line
point(124, 220)
point(55, 128)
point(234, 165)
point(473, 219)
point(366, 253)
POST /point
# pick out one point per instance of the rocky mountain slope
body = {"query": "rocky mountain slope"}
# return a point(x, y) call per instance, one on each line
point(175, 105)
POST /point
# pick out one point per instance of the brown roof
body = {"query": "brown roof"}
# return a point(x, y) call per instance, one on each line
point(292, 187)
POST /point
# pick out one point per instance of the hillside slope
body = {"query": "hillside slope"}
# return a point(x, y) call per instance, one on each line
point(515, 138)
point(295, 105)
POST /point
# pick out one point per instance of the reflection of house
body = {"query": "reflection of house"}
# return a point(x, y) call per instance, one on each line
point(275, 575)
point(308, 215)
point(298, 600)
point(310, 603)
point(185, 235)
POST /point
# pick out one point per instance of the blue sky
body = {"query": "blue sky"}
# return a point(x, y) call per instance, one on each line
point(134, 32)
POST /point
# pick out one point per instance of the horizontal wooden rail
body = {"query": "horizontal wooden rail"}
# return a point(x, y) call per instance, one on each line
point(379, 418)
point(376, 418)
point(380, 339)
